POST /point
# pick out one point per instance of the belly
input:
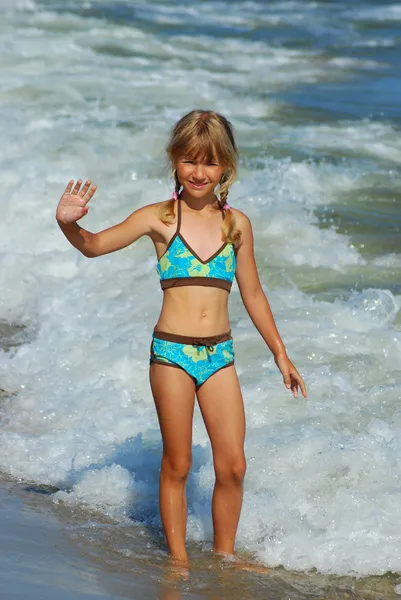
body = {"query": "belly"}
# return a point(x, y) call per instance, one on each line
point(194, 310)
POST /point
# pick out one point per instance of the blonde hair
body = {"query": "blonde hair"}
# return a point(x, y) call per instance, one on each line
point(205, 135)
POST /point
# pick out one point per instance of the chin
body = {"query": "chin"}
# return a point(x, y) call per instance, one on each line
point(207, 191)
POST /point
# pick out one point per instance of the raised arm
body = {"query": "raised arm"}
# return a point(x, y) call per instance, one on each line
point(258, 307)
point(73, 206)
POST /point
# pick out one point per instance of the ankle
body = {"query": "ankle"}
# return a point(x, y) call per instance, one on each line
point(180, 559)
point(224, 552)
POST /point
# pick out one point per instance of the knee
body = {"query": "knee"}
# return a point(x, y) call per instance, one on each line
point(231, 471)
point(176, 468)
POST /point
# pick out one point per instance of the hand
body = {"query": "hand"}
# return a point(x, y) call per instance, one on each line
point(72, 205)
point(292, 379)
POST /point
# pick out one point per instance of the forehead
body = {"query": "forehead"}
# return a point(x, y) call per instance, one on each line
point(200, 153)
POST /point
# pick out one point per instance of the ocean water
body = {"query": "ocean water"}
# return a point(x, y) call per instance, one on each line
point(91, 89)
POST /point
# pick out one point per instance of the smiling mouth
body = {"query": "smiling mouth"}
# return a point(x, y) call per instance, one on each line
point(197, 185)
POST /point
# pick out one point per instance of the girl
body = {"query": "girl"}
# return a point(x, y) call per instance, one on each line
point(201, 243)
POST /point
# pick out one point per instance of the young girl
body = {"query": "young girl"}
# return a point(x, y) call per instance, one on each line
point(201, 243)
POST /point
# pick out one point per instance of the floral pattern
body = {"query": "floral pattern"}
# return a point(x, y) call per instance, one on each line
point(200, 362)
point(178, 261)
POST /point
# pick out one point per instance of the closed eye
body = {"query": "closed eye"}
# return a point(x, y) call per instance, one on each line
point(191, 162)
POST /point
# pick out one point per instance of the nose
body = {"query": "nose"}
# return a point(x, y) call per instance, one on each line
point(199, 171)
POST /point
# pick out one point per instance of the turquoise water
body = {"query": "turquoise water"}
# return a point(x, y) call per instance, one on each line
point(91, 89)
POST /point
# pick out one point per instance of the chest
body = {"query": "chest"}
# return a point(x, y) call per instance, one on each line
point(202, 239)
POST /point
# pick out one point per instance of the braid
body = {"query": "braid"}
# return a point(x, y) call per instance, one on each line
point(177, 182)
point(223, 192)
point(204, 134)
point(230, 233)
point(166, 211)
point(223, 198)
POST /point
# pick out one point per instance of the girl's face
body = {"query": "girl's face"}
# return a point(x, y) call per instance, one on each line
point(199, 177)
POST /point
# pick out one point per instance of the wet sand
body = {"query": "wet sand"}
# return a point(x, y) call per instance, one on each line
point(50, 551)
point(36, 559)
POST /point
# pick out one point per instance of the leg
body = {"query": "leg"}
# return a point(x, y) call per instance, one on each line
point(222, 408)
point(174, 395)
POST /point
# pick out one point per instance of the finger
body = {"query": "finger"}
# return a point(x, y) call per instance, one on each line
point(287, 381)
point(77, 186)
point(300, 382)
point(90, 193)
point(85, 188)
point(303, 388)
point(69, 187)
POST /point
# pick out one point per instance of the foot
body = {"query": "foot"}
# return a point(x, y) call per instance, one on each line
point(177, 569)
point(246, 564)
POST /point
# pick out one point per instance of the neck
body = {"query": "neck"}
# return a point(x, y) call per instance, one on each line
point(198, 204)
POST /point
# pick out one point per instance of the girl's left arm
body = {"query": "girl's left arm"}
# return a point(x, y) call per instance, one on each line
point(258, 307)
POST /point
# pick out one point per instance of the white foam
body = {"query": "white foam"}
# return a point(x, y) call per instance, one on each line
point(320, 484)
point(291, 236)
point(367, 138)
point(388, 261)
point(111, 490)
point(391, 12)
point(349, 63)
point(375, 42)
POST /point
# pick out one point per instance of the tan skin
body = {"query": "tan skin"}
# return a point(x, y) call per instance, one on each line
point(195, 311)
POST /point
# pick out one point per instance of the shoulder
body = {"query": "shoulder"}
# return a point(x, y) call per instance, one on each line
point(244, 226)
point(151, 212)
point(241, 220)
point(156, 219)
point(151, 209)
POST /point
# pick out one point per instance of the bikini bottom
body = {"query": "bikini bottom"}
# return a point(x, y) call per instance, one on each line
point(199, 357)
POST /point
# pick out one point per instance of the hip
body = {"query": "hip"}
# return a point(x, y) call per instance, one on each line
point(200, 357)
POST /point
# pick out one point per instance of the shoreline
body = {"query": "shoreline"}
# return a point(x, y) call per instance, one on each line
point(50, 550)
point(37, 559)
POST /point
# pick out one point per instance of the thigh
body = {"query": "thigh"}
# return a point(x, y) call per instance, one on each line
point(220, 401)
point(174, 395)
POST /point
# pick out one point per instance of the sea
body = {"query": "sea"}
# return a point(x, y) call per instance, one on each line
point(91, 89)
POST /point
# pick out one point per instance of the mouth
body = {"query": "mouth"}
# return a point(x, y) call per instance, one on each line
point(197, 186)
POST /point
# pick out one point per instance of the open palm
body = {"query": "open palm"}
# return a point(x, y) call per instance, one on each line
point(73, 202)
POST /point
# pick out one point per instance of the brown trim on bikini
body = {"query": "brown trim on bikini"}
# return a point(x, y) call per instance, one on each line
point(160, 362)
point(153, 359)
point(179, 214)
point(210, 340)
point(184, 241)
point(202, 281)
point(204, 262)
point(166, 364)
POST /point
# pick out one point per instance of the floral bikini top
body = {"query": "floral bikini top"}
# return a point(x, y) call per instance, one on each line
point(180, 265)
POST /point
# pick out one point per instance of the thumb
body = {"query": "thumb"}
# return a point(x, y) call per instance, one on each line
point(287, 381)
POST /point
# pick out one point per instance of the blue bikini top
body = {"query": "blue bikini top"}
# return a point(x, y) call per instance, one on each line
point(180, 265)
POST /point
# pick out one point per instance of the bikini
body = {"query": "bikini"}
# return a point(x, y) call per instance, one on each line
point(181, 266)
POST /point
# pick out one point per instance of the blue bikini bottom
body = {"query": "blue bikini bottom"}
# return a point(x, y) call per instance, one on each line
point(199, 357)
